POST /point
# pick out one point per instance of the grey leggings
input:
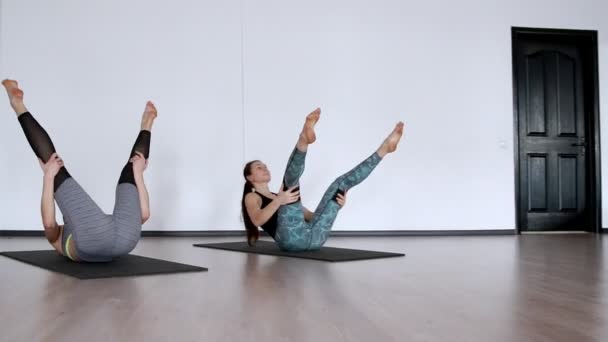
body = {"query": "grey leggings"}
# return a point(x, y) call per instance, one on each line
point(98, 237)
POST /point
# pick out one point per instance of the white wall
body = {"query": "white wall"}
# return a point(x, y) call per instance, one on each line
point(234, 79)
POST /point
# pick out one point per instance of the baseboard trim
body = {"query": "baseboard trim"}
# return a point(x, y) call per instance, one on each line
point(604, 230)
point(229, 233)
point(194, 233)
point(21, 233)
point(484, 232)
point(220, 233)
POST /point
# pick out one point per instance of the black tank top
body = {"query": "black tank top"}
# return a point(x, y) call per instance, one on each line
point(270, 226)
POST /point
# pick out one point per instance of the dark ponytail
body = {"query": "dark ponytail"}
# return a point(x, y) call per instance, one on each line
point(253, 233)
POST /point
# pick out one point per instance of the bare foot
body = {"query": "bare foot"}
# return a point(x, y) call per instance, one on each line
point(15, 95)
point(150, 113)
point(308, 135)
point(390, 143)
point(12, 88)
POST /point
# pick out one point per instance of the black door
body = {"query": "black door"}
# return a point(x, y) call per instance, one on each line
point(555, 119)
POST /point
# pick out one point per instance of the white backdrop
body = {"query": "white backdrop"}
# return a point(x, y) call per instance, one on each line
point(233, 81)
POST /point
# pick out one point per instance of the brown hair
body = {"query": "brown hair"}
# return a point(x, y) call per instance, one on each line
point(253, 233)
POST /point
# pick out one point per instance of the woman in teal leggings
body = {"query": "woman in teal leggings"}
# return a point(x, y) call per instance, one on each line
point(282, 215)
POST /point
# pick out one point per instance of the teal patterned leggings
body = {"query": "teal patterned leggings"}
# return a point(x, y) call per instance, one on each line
point(293, 232)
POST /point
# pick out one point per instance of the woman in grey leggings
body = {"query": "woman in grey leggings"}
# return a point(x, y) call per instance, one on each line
point(88, 234)
point(282, 216)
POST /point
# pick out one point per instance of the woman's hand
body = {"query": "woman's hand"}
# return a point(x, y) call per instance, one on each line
point(288, 196)
point(52, 166)
point(341, 199)
point(139, 163)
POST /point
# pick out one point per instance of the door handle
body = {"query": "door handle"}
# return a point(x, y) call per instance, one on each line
point(579, 144)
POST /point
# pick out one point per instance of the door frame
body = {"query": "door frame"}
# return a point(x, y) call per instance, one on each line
point(594, 162)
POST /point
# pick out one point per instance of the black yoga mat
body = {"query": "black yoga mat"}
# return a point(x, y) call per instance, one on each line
point(128, 265)
point(325, 253)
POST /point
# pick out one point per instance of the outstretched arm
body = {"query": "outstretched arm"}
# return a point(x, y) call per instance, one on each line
point(139, 166)
point(341, 200)
point(307, 214)
point(47, 205)
point(144, 200)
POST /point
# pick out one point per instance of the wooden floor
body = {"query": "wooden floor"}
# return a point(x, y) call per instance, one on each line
point(501, 288)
